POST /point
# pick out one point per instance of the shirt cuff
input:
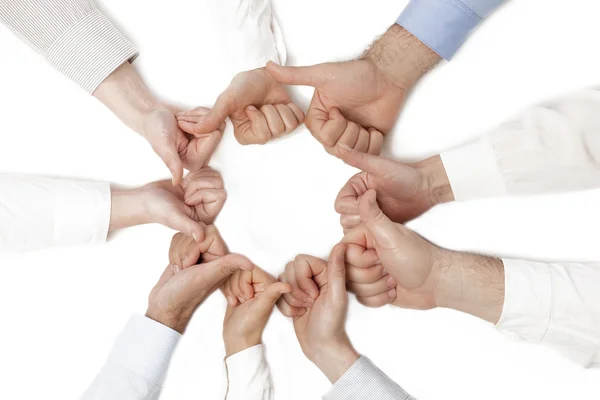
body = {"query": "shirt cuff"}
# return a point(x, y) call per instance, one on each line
point(527, 299)
point(145, 347)
point(473, 171)
point(364, 381)
point(82, 211)
point(443, 25)
point(90, 50)
point(248, 373)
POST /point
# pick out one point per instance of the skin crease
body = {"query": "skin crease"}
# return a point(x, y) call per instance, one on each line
point(126, 95)
point(259, 107)
point(404, 191)
point(356, 101)
point(186, 208)
point(421, 275)
point(321, 329)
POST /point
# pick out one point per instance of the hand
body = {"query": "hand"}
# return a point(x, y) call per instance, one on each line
point(321, 330)
point(404, 191)
point(422, 275)
point(251, 296)
point(368, 92)
point(124, 93)
point(186, 210)
point(259, 108)
point(185, 251)
point(179, 291)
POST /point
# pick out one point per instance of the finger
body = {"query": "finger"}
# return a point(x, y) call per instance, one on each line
point(182, 223)
point(288, 310)
point(271, 295)
point(274, 120)
point(364, 139)
point(364, 275)
point(378, 301)
point(314, 76)
point(298, 113)
point(361, 257)
point(386, 233)
point(171, 158)
point(370, 289)
point(346, 201)
point(191, 184)
point(304, 278)
point(288, 117)
point(208, 203)
point(336, 274)
point(375, 165)
point(245, 285)
point(327, 127)
point(375, 142)
point(213, 121)
point(259, 132)
point(297, 297)
point(220, 269)
point(349, 221)
point(350, 135)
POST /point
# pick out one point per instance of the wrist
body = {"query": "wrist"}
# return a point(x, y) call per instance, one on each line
point(435, 180)
point(235, 345)
point(124, 93)
point(401, 58)
point(178, 321)
point(128, 208)
point(334, 359)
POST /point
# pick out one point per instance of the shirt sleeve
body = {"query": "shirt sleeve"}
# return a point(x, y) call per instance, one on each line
point(248, 375)
point(37, 212)
point(551, 147)
point(554, 304)
point(365, 381)
point(250, 33)
point(137, 364)
point(73, 35)
point(444, 25)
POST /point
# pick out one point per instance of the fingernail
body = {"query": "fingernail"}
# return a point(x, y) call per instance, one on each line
point(230, 301)
point(345, 147)
point(196, 237)
point(302, 312)
point(184, 182)
point(391, 283)
point(383, 272)
point(251, 108)
point(176, 268)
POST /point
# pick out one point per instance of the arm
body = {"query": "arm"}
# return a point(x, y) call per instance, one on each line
point(73, 35)
point(444, 25)
point(555, 304)
point(38, 212)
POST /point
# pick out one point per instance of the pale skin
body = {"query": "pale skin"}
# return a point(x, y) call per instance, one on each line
point(321, 329)
point(186, 208)
point(357, 102)
point(126, 95)
point(258, 106)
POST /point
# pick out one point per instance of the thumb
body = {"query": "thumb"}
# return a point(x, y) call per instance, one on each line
point(222, 268)
point(314, 76)
point(184, 224)
point(266, 301)
point(336, 274)
point(386, 233)
point(375, 165)
point(214, 120)
point(171, 158)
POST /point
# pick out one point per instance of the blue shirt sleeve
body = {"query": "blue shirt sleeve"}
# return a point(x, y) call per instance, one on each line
point(444, 25)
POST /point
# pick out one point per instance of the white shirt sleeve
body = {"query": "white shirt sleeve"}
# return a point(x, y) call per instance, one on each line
point(364, 381)
point(37, 212)
point(548, 148)
point(248, 375)
point(249, 32)
point(554, 304)
point(138, 363)
point(73, 35)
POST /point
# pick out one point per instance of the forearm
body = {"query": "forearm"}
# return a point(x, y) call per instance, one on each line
point(128, 208)
point(401, 57)
point(73, 35)
point(470, 283)
point(37, 212)
point(364, 381)
point(548, 148)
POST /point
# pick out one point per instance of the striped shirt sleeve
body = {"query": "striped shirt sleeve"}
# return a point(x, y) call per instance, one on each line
point(73, 35)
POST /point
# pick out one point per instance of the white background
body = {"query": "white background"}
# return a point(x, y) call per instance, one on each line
point(61, 308)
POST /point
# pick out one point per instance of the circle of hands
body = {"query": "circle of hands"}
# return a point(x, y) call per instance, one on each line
point(378, 259)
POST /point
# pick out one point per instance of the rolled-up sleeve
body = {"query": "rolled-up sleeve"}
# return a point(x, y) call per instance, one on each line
point(73, 35)
point(444, 25)
point(37, 212)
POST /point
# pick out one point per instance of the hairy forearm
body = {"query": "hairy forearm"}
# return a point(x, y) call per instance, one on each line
point(435, 180)
point(470, 283)
point(402, 58)
point(124, 93)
